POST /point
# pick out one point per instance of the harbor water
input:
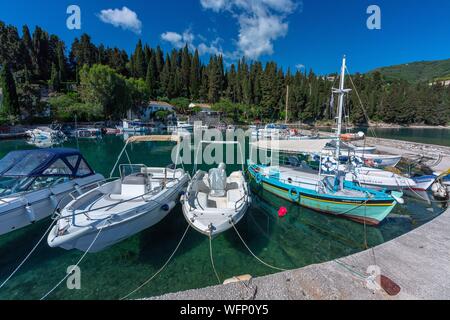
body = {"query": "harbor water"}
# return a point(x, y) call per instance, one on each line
point(301, 238)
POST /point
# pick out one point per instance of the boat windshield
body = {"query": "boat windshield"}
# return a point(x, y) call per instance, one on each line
point(11, 186)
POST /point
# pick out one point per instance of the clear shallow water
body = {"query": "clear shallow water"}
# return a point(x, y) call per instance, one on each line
point(301, 238)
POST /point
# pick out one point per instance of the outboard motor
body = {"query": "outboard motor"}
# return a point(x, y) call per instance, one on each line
point(217, 179)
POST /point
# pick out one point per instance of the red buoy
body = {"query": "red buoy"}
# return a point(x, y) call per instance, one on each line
point(282, 212)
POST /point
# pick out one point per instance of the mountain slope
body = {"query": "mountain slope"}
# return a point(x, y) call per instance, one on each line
point(417, 71)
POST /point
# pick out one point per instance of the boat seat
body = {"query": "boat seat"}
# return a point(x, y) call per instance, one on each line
point(135, 180)
point(232, 186)
point(217, 179)
point(202, 200)
point(233, 196)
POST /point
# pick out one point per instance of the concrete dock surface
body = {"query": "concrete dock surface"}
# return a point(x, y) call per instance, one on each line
point(417, 262)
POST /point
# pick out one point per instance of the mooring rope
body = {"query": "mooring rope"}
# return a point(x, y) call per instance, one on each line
point(212, 260)
point(74, 267)
point(264, 263)
point(161, 269)
point(28, 255)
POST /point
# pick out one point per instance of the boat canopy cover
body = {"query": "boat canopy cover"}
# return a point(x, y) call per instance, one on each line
point(293, 146)
point(45, 162)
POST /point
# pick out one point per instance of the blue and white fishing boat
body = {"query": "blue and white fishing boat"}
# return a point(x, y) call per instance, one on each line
point(326, 191)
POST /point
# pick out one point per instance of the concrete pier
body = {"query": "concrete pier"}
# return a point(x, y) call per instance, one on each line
point(418, 262)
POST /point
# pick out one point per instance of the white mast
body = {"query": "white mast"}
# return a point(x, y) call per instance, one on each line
point(287, 105)
point(341, 93)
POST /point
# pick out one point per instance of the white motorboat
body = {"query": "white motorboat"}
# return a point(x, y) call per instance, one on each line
point(135, 126)
point(379, 160)
point(116, 210)
point(214, 202)
point(87, 133)
point(378, 179)
point(45, 134)
point(34, 182)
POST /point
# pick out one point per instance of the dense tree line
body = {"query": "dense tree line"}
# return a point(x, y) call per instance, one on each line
point(246, 90)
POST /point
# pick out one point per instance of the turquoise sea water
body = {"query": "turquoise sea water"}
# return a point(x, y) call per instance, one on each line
point(438, 136)
point(301, 238)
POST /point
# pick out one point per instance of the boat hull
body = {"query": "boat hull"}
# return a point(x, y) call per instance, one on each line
point(221, 225)
point(35, 206)
point(115, 230)
point(371, 212)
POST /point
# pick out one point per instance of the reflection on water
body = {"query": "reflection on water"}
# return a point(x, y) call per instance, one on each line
point(301, 238)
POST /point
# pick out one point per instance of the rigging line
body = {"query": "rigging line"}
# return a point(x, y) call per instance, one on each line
point(28, 255)
point(161, 269)
point(212, 260)
point(40, 240)
point(264, 263)
point(75, 266)
point(349, 268)
point(361, 104)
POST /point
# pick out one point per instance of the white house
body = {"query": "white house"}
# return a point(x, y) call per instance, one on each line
point(155, 106)
point(204, 108)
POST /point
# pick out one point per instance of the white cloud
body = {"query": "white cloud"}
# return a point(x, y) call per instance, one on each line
point(124, 18)
point(299, 66)
point(261, 22)
point(179, 40)
point(213, 48)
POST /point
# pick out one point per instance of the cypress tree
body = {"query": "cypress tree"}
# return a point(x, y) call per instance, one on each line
point(185, 72)
point(150, 79)
point(55, 79)
point(195, 77)
point(10, 101)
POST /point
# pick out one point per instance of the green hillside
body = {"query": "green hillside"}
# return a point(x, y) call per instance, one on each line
point(417, 71)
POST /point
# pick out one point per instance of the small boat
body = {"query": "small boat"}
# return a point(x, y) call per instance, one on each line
point(379, 160)
point(181, 127)
point(378, 179)
point(135, 126)
point(370, 159)
point(111, 131)
point(87, 133)
point(352, 136)
point(214, 202)
point(326, 191)
point(34, 182)
point(118, 209)
point(272, 131)
point(45, 133)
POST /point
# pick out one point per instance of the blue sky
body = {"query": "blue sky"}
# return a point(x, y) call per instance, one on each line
point(310, 33)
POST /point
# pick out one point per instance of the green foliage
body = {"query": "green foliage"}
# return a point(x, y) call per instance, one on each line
point(138, 91)
point(55, 79)
point(417, 71)
point(10, 101)
point(107, 77)
point(181, 104)
point(101, 85)
point(66, 106)
point(162, 114)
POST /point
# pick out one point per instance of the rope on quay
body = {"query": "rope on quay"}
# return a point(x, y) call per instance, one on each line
point(74, 267)
point(264, 263)
point(160, 270)
point(28, 255)
point(212, 260)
